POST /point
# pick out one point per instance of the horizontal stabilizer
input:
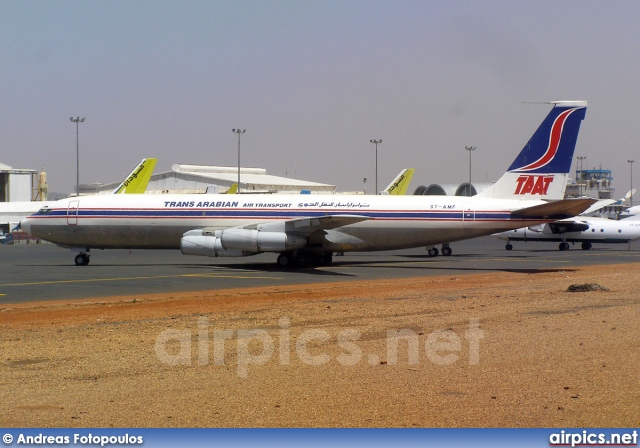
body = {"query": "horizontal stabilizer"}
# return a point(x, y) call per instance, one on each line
point(565, 208)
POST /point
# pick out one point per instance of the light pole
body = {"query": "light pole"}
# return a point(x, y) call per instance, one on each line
point(375, 142)
point(581, 159)
point(239, 131)
point(364, 186)
point(631, 162)
point(469, 148)
point(77, 121)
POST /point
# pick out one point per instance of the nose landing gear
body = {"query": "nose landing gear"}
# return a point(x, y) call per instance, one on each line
point(82, 259)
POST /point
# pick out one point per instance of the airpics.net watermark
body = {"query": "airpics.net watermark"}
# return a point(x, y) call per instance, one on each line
point(255, 347)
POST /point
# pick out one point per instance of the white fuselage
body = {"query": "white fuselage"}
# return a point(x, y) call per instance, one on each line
point(14, 212)
point(601, 230)
point(159, 222)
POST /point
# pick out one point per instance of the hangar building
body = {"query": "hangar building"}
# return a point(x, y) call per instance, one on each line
point(217, 179)
point(18, 188)
point(17, 184)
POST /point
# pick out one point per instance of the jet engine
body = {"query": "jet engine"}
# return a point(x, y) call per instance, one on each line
point(238, 242)
point(207, 245)
point(260, 241)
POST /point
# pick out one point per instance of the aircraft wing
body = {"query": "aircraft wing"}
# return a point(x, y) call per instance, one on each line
point(304, 226)
point(279, 236)
point(598, 205)
point(565, 208)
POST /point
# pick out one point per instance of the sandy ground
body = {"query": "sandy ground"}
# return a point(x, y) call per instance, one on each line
point(486, 350)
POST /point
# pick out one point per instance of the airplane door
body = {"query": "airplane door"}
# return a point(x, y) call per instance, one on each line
point(72, 213)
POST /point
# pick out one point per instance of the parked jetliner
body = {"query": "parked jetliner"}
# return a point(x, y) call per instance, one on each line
point(585, 230)
point(309, 228)
point(631, 211)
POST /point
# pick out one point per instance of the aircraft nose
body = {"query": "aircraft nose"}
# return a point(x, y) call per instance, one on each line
point(24, 225)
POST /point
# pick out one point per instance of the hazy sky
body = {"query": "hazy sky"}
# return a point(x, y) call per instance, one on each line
point(312, 82)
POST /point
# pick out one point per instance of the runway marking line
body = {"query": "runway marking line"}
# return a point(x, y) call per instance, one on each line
point(432, 262)
point(547, 260)
point(90, 280)
point(229, 276)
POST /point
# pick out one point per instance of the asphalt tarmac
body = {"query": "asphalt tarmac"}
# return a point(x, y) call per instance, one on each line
point(41, 272)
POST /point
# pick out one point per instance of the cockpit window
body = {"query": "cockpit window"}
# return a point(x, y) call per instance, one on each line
point(44, 211)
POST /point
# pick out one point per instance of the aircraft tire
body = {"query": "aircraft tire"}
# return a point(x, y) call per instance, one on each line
point(509, 246)
point(586, 245)
point(433, 252)
point(563, 246)
point(302, 261)
point(446, 251)
point(284, 260)
point(82, 260)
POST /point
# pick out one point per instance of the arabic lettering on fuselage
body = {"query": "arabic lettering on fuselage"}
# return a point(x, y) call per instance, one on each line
point(333, 204)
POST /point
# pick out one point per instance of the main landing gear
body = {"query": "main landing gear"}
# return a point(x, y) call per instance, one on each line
point(563, 246)
point(303, 260)
point(586, 245)
point(82, 259)
point(446, 250)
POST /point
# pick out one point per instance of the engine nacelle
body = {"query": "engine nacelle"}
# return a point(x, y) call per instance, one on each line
point(540, 228)
point(257, 241)
point(208, 246)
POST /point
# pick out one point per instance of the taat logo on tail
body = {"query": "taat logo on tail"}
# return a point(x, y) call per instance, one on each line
point(531, 184)
point(541, 168)
point(555, 135)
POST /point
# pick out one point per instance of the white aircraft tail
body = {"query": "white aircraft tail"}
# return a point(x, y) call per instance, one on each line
point(541, 169)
